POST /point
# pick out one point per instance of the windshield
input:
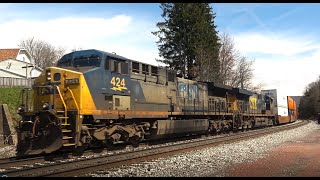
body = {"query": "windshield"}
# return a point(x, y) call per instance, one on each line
point(65, 61)
point(87, 60)
point(76, 59)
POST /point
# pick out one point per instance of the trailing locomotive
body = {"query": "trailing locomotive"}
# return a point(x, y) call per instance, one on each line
point(95, 98)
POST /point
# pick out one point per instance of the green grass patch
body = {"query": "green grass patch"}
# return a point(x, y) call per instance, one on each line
point(11, 97)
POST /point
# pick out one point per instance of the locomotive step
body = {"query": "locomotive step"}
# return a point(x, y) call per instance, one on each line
point(65, 124)
point(66, 130)
point(87, 124)
point(67, 137)
point(69, 144)
point(63, 117)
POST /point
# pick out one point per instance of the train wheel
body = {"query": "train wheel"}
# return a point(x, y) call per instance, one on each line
point(242, 128)
point(135, 141)
point(78, 151)
point(225, 129)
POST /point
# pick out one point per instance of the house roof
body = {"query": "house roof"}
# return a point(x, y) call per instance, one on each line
point(9, 54)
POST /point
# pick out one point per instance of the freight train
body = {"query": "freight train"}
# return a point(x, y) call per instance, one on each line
point(95, 98)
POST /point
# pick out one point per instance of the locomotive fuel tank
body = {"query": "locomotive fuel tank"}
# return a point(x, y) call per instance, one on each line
point(168, 128)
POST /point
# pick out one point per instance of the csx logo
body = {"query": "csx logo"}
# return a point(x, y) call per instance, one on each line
point(253, 103)
point(118, 84)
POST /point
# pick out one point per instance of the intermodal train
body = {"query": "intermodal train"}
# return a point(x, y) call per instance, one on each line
point(96, 98)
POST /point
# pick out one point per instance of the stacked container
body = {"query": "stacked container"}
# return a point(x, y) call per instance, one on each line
point(292, 109)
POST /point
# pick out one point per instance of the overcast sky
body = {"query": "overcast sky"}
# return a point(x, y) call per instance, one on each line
point(283, 39)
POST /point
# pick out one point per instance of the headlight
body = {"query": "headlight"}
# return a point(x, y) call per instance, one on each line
point(20, 109)
point(48, 75)
point(45, 106)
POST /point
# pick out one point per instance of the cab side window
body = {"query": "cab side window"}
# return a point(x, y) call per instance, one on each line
point(135, 67)
point(154, 71)
point(145, 69)
point(124, 68)
point(117, 66)
point(107, 64)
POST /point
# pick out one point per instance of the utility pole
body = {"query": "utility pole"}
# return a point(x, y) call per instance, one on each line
point(27, 70)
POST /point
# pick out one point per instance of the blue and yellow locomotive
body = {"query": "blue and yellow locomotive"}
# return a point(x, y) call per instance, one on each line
point(97, 98)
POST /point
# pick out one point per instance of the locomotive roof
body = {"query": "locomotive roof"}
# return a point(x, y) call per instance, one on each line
point(212, 85)
point(242, 91)
point(110, 54)
point(120, 57)
point(225, 88)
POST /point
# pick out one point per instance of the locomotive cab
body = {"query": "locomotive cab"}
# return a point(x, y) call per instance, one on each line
point(51, 110)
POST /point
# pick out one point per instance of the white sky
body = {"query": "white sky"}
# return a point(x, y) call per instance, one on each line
point(289, 63)
point(281, 60)
point(120, 34)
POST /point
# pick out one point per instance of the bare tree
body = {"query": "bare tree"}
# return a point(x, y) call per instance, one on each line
point(235, 70)
point(242, 76)
point(255, 87)
point(243, 73)
point(43, 53)
point(310, 102)
point(228, 56)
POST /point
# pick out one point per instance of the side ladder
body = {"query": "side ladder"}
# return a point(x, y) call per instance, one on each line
point(68, 137)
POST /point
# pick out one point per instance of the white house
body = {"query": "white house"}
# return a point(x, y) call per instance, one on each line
point(13, 64)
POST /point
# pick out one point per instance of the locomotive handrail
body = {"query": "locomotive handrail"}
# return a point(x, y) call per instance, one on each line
point(75, 102)
point(64, 104)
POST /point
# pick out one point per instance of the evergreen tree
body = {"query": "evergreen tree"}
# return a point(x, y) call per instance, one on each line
point(188, 41)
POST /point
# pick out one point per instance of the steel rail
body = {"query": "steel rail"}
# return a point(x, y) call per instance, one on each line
point(83, 166)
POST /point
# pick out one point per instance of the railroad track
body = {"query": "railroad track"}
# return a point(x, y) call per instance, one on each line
point(76, 167)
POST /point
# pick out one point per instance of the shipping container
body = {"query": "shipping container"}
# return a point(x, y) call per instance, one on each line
point(280, 104)
point(291, 104)
point(280, 101)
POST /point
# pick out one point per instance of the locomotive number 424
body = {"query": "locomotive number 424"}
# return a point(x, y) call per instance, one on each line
point(118, 84)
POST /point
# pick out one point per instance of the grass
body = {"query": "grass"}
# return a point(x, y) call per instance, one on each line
point(11, 97)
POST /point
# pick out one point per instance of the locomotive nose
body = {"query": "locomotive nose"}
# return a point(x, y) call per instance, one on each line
point(38, 137)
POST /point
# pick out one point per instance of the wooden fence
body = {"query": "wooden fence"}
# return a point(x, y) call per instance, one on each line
point(15, 82)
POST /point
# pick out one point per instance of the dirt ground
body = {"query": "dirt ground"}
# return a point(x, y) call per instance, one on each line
point(299, 158)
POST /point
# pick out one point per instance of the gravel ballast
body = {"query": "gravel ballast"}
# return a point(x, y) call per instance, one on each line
point(7, 151)
point(210, 161)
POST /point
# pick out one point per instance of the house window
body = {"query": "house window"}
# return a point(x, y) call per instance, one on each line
point(9, 65)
